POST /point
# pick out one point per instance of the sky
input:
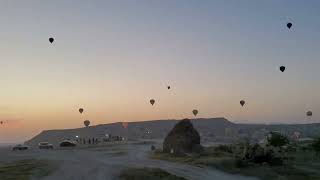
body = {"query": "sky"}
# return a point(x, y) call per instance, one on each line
point(112, 57)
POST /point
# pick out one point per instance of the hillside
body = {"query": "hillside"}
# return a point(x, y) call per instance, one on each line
point(210, 129)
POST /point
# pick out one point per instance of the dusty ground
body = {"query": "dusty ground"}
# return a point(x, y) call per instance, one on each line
point(105, 162)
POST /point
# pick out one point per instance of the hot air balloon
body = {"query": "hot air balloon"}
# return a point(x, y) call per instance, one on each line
point(289, 25)
point(195, 112)
point(1, 122)
point(51, 40)
point(309, 113)
point(81, 110)
point(242, 102)
point(152, 101)
point(282, 68)
point(168, 87)
point(86, 123)
point(125, 125)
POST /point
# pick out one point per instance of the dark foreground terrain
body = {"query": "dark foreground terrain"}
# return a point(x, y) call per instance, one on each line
point(109, 161)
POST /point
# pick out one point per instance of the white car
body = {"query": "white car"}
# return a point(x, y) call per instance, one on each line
point(45, 145)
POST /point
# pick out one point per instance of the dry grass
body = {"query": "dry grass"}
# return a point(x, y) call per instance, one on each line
point(26, 170)
point(299, 165)
point(147, 174)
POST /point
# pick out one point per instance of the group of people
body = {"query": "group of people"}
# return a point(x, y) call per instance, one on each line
point(88, 141)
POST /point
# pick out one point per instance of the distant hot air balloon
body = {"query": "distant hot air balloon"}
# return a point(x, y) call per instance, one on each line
point(51, 40)
point(81, 110)
point(289, 25)
point(195, 112)
point(1, 122)
point(125, 125)
point(309, 113)
point(168, 87)
point(282, 68)
point(152, 101)
point(86, 123)
point(242, 102)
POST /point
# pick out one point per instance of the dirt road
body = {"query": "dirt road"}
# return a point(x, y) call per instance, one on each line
point(104, 163)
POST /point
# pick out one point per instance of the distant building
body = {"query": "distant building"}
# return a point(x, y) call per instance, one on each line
point(296, 135)
point(263, 141)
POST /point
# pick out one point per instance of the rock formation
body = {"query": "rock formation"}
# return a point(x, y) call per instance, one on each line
point(183, 138)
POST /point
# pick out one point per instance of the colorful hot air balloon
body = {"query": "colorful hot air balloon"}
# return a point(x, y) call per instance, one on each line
point(289, 25)
point(51, 40)
point(86, 123)
point(81, 110)
point(309, 113)
point(242, 102)
point(195, 112)
point(152, 101)
point(282, 68)
point(125, 125)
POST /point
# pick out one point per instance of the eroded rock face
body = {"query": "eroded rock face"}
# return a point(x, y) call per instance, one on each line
point(183, 138)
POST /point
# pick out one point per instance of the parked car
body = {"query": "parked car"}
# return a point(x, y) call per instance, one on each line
point(45, 145)
point(20, 147)
point(68, 143)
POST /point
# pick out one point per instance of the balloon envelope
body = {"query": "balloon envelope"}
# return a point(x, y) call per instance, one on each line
point(81, 110)
point(125, 125)
point(242, 102)
point(152, 101)
point(282, 68)
point(86, 123)
point(309, 113)
point(195, 112)
point(51, 40)
point(289, 25)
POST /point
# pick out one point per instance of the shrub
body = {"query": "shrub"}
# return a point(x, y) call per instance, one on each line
point(224, 148)
point(277, 139)
point(291, 148)
point(316, 146)
point(259, 155)
point(241, 163)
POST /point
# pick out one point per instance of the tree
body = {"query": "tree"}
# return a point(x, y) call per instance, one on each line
point(316, 145)
point(277, 140)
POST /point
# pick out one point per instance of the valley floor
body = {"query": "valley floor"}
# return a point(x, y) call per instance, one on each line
point(106, 162)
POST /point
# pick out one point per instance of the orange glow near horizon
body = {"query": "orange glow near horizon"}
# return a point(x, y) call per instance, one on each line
point(112, 57)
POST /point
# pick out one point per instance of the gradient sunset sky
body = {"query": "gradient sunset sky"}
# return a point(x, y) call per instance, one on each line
point(111, 57)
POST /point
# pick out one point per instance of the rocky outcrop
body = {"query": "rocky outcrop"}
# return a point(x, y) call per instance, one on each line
point(183, 138)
